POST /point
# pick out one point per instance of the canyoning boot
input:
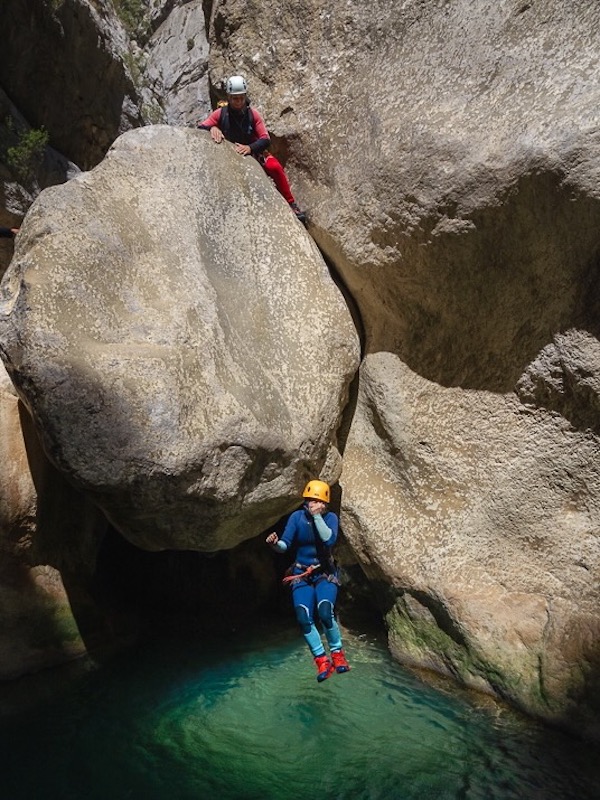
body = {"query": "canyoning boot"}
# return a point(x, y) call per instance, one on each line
point(300, 215)
point(339, 661)
point(324, 667)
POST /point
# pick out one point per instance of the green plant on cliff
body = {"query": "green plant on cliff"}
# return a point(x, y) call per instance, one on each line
point(132, 14)
point(25, 156)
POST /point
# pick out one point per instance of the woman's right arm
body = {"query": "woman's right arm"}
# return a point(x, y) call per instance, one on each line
point(287, 537)
point(211, 122)
point(276, 543)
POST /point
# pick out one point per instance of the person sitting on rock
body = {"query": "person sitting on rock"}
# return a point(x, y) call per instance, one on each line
point(239, 123)
point(311, 532)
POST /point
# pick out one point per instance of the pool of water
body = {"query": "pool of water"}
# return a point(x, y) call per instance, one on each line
point(244, 719)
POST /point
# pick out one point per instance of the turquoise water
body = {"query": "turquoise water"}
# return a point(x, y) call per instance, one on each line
point(245, 719)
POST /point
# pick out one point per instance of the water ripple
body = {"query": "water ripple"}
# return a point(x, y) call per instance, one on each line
point(246, 719)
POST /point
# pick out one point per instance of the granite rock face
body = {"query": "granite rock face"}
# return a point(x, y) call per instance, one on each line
point(70, 67)
point(457, 194)
point(21, 182)
point(178, 340)
point(178, 64)
point(480, 514)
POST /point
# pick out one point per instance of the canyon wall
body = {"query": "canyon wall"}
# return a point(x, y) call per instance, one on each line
point(449, 157)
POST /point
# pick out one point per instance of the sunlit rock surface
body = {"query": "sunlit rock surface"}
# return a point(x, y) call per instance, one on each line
point(485, 527)
point(178, 339)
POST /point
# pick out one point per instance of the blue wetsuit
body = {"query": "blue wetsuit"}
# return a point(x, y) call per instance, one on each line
point(317, 591)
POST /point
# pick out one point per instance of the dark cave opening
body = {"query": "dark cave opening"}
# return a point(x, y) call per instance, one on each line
point(140, 591)
point(137, 594)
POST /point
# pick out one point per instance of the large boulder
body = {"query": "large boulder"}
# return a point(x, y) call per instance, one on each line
point(458, 196)
point(178, 340)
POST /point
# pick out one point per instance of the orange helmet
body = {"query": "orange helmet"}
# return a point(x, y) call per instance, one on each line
point(317, 490)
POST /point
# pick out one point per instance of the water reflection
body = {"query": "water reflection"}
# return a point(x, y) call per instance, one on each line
point(186, 718)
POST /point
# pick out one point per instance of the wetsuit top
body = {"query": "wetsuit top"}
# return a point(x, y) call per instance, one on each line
point(299, 531)
point(258, 140)
point(6, 233)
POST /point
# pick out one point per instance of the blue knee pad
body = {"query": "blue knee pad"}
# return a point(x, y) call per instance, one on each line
point(325, 609)
point(304, 618)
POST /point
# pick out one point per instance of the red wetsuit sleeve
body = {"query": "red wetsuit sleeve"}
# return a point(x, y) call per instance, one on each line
point(211, 121)
point(260, 134)
point(260, 129)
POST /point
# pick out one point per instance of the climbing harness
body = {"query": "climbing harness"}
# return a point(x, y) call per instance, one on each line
point(306, 573)
point(309, 574)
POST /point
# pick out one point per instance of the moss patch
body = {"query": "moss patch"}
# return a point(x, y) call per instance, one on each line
point(418, 640)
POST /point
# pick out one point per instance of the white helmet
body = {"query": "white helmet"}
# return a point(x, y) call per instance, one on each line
point(236, 85)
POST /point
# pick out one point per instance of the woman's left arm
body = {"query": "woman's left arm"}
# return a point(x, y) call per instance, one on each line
point(327, 527)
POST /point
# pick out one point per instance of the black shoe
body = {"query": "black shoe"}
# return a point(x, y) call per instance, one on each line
point(300, 215)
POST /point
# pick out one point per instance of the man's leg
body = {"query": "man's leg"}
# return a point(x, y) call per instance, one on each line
point(276, 172)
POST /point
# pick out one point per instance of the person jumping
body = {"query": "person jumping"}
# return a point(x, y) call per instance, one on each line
point(312, 530)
